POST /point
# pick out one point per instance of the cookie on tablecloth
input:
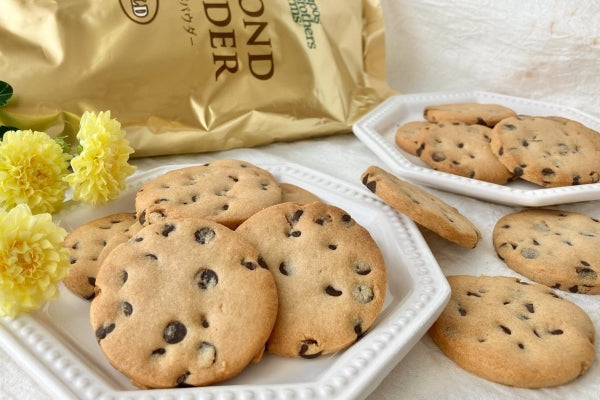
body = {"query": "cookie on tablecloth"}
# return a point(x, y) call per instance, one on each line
point(330, 276)
point(548, 151)
point(296, 194)
point(85, 244)
point(462, 149)
point(514, 333)
point(408, 136)
point(422, 207)
point(184, 302)
point(469, 113)
point(226, 191)
point(556, 248)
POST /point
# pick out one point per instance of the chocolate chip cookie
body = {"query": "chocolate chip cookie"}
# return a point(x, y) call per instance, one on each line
point(556, 248)
point(514, 333)
point(184, 302)
point(330, 275)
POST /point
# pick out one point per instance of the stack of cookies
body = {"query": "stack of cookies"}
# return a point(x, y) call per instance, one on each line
point(218, 263)
point(490, 142)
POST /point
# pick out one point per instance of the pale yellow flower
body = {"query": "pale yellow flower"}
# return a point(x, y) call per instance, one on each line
point(32, 168)
point(99, 171)
point(33, 260)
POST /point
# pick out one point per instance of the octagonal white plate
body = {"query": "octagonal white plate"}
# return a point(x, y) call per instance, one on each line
point(57, 346)
point(377, 131)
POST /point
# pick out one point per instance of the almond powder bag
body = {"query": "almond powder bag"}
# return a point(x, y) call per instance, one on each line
point(187, 76)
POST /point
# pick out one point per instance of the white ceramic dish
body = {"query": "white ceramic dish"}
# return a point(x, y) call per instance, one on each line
point(56, 345)
point(377, 131)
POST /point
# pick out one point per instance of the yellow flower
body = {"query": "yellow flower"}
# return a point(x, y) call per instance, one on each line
point(32, 260)
point(32, 168)
point(99, 171)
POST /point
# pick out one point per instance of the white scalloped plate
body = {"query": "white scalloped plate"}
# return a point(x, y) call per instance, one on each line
point(56, 345)
point(377, 131)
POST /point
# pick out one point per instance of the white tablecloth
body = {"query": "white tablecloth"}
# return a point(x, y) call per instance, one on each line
point(548, 51)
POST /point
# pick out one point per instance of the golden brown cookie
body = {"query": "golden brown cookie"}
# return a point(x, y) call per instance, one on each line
point(462, 149)
point(422, 207)
point(86, 243)
point(518, 334)
point(330, 275)
point(552, 247)
point(225, 191)
point(184, 302)
point(296, 194)
point(469, 113)
point(548, 151)
point(408, 136)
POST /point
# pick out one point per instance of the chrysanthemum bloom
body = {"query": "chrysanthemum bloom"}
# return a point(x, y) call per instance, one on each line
point(32, 260)
point(99, 171)
point(32, 168)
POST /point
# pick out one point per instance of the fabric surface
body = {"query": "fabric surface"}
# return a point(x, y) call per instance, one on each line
point(547, 51)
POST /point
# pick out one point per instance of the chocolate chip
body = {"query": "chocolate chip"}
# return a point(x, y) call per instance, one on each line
point(103, 331)
point(547, 172)
point(283, 269)
point(574, 289)
point(505, 329)
point(529, 253)
point(249, 264)
point(167, 229)
point(358, 329)
point(420, 150)
point(142, 217)
point(262, 263)
point(206, 279)
point(297, 215)
point(233, 178)
point(225, 207)
point(509, 127)
point(152, 256)
point(586, 273)
point(91, 280)
point(127, 308)
point(174, 332)
point(204, 235)
point(362, 268)
point(305, 346)
point(469, 293)
point(332, 247)
point(518, 171)
point(124, 276)
point(438, 157)
point(295, 233)
point(556, 332)
point(204, 322)
point(462, 311)
point(73, 260)
point(207, 353)
point(330, 290)
point(346, 218)
point(530, 308)
point(501, 151)
point(521, 346)
point(159, 352)
point(362, 293)
point(182, 378)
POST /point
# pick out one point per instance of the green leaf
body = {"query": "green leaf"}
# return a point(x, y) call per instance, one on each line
point(62, 141)
point(6, 92)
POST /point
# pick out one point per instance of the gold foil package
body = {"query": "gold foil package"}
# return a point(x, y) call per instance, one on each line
point(188, 76)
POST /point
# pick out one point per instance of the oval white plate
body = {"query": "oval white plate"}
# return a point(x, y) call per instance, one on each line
point(377, 131)
point(58, 347)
